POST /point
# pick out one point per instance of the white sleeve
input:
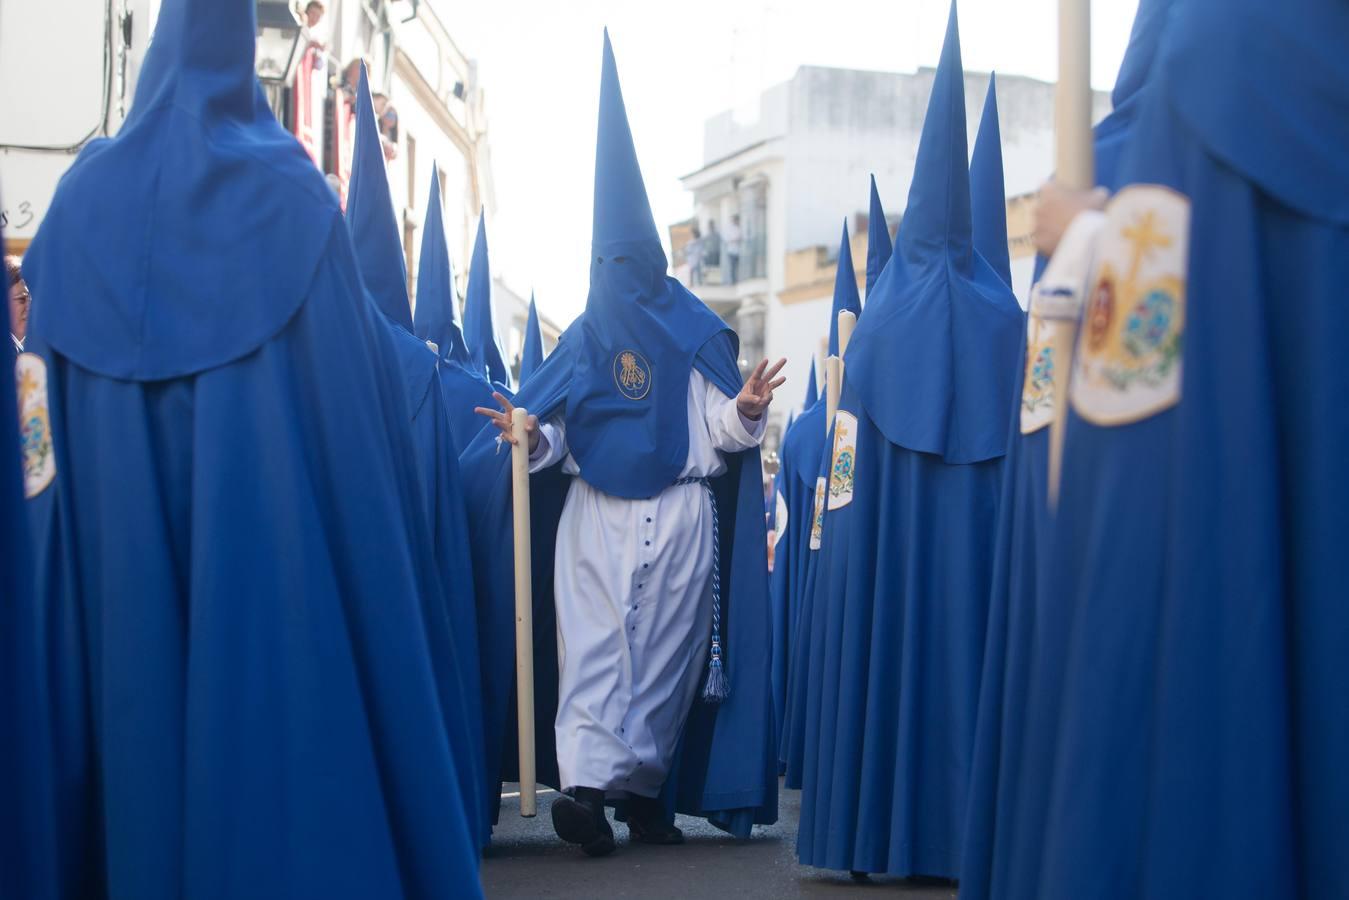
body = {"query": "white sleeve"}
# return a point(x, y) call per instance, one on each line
point(1058, 294)
point(730, 431)
point(552, 448)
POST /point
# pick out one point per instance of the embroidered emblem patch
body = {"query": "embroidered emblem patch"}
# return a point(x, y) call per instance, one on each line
point(1037, 386)
point(632, 374)
point(1129, 352)
point(817, 521)
point(35, 430)
point(843, 460)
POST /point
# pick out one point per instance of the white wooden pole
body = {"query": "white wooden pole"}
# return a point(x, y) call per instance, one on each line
point(833, 384)
point(847, 321)
point(524, 613)
point(1073, 167)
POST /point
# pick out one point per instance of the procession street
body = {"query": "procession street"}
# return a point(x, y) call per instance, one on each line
point(526, 860)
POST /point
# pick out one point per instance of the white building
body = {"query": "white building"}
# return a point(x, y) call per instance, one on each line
point(55, 103)
point(796, 166)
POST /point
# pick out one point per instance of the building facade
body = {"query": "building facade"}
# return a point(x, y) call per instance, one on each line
point(434, 109)
point(795, 167)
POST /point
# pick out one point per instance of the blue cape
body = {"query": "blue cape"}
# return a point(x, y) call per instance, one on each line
point(531, 355)
point(725, 768)
point(479, 322)
point(901, 591)
point(1228, 659)
point(243, 650)
point(1019, 694)
point(640, 333)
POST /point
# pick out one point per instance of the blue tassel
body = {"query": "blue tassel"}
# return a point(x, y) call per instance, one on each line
point(718, 686)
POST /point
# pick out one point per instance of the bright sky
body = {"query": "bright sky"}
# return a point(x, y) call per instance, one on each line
point(680, 63)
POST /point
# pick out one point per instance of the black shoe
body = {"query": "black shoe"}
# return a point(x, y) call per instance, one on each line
point(647, 823)
point(579, 818)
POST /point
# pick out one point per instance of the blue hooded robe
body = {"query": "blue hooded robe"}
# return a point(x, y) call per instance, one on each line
point(379, 255)
point(531, 356)
point(27, 842)
point(1220, 772)
point(479, 324)
point(801, 451)
point(725, 768)
point(905, 566)
point(230, 540)
point(1018, 705)
point(792, 726)
point(436, 319)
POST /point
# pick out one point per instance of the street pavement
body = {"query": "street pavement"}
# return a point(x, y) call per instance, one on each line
point(527, 860)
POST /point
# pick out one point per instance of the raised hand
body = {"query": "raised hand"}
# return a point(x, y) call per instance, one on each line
point(757, 393)
point(502, 419)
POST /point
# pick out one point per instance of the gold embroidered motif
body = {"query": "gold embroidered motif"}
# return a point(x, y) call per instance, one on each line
point(1037, 385)
point(1129, 354)
point(632, 374)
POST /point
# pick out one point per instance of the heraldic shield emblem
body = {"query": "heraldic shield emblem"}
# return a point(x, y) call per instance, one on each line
point(1129, 348)
point(632, 374)
point(817, 514)
point(1037, 386)
point(35, 429)
point(844, 460)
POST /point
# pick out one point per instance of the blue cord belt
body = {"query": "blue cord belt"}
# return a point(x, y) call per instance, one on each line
point(718, 686)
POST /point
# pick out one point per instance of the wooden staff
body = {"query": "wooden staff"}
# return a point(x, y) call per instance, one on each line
point(847, 321)
point(833, 368)
point(524, 613)
point(833, 384)
point(1073, 166)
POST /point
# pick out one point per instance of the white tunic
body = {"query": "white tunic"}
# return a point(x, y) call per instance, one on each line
point(632, 585)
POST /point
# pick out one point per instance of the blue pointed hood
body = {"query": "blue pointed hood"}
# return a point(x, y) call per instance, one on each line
point(845, 290)
point(479, 322)
point(934, 359)
point(623, 224)
point(812, 386)
point(531, 356)
point(936, 222)
point(436, 317)
point(1140, 54)
point(370, 216)
point(1110, 136)
point(879, 246)
point(194, 235)
point(627, 415)
point(988, 196)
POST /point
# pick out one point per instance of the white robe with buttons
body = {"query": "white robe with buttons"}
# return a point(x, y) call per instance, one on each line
point(632, 585)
